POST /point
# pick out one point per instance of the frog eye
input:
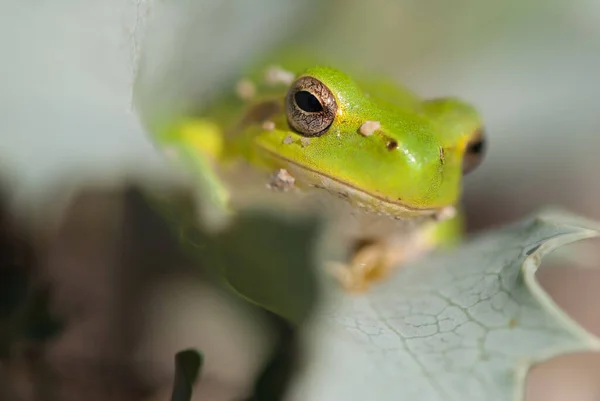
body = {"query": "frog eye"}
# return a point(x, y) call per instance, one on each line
point(310, 106)
point(474, 152)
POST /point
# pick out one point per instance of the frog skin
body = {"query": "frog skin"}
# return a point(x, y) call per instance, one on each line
point(390, 155)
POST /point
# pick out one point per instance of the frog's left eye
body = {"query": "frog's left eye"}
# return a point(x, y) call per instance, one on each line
point(310, 106)
point(474, 152)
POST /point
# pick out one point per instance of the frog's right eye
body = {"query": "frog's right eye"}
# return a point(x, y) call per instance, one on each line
point(310, 106)
point(474, 152)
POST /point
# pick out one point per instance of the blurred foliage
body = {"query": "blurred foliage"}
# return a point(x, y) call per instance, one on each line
point(268, 258)
point(25, 315)
point(261, 257)
point(187, 369)
point(281, 369)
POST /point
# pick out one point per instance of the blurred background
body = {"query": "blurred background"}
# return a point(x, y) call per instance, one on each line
point(76, 76)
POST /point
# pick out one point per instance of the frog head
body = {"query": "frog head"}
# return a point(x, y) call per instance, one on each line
point(376, 144)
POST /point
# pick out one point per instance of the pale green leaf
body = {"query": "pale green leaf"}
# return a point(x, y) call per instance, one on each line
point(460, 326)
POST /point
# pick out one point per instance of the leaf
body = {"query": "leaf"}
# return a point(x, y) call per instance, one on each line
point(182, 68)
point(187, 368)
point(266, 257)
point(460, 326)
point(270, 260)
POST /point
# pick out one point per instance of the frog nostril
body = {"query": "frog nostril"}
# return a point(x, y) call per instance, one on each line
point(392, 144)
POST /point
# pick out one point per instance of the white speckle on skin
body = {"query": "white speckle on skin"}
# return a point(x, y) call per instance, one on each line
point(288, 139)
point(304, 142)
point(245, 89)
point(369, 127)
point(268, 125)
point(445, 213)
point(277, 75)
point(281, 180)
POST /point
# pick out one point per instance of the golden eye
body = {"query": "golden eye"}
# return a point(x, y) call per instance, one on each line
point(474, 152)
point(310, 106)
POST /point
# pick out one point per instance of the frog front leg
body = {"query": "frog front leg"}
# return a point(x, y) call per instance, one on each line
point(374, 260)
point(198, 145)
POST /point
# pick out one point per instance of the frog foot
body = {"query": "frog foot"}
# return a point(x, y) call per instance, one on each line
point(375, 261)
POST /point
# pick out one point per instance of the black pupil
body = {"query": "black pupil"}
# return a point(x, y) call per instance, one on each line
point(308, 102)
point(477, 147)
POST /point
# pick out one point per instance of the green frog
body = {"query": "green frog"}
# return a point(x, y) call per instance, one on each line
point(396, 161)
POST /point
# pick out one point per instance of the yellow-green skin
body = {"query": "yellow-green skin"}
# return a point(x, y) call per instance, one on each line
point(411, 166)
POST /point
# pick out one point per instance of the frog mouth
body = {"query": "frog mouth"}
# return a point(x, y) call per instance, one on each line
point(308, 177)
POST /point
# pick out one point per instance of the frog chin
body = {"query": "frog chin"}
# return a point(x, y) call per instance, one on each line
point(307, 177)
point(357, 196)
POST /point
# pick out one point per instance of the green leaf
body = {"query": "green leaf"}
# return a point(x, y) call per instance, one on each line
point(270, 260)
point(461, 326)
point(266, 257)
